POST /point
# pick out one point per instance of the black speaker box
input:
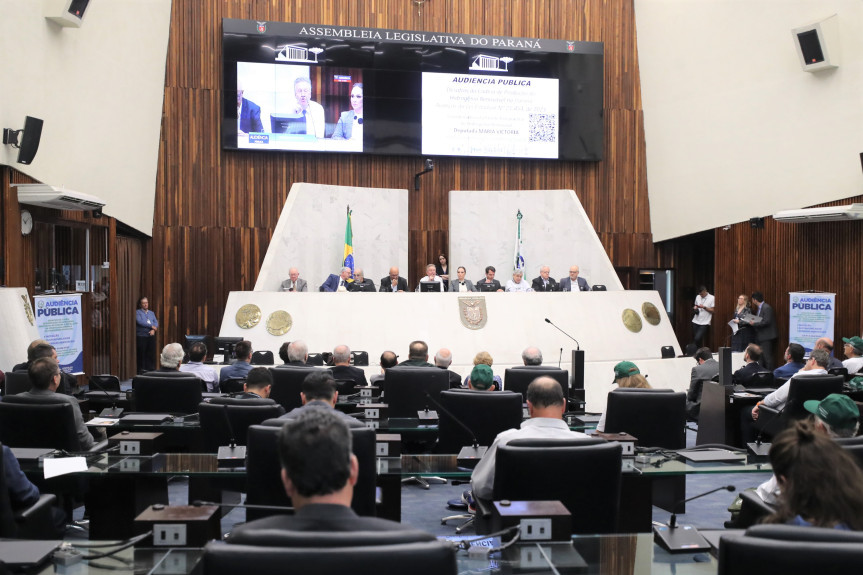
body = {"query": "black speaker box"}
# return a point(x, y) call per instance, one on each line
point(30, 139)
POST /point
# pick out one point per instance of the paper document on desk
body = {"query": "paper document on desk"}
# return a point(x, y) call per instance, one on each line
point(63, 466)
point(102, 421)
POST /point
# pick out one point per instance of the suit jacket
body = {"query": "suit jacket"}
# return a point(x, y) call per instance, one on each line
point(566, 284)
point(345, 126)
point(349, 373)
point(22, 493)
point(387, 284)
point(332, 283)
point(319, 517)
point(744, 375)
point(365, 285)
point(494, 283)
point(454, 378)
point(766, 329)
point(238, 369)
point(250, 117)
point(453, 285)
point(318, 404)
point(301, 285)
point(700, 373)
point(537, 284)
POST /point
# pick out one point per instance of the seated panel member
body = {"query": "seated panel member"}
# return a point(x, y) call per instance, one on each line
point(544, 282)
point(319, 472)
point(461, 284)
point(431, 277)
point(393, 282)
point(319, 393)
point(339, 282)
point(294, 282)
point(360, 282)
point(517, 283)
point(574, 282)
point(488, 283)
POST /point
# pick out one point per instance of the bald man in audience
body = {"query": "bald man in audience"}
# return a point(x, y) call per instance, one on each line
point(388, 359)
point(343, 370)
point(418, 355)
point(826, 344)
point(442, 360)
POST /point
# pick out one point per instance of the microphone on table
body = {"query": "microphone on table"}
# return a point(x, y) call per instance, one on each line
point(763, 449)
point(112, 411)
point(676, 538)
point(469, 455)
point(232, 455)
point(560, 359)
point(577, 345)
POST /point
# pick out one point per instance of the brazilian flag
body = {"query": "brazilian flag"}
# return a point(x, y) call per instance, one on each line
point(349, 245)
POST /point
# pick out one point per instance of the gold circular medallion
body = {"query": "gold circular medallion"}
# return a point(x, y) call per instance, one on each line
point(632, 320)
point(279, 322)
point(248, 316)
point(650, 313)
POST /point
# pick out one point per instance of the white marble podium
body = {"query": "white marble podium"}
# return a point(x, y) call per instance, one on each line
point(19, 326)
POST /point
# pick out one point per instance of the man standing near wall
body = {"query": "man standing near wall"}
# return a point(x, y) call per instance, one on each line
point(703, 315)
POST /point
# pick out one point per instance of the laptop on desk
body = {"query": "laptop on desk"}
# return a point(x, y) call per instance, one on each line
point(23, 554)
point(712, 455)
point(146, 418)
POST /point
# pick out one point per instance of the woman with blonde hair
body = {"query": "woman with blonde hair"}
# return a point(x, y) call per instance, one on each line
point(484, 357)
point(744, 335)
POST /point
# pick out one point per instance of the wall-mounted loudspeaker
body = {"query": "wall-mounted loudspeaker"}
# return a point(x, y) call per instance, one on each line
point(26, 140)
point(818, 44)
point(66, 13)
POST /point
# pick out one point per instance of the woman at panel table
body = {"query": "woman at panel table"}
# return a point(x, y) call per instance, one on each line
point(626, 374)
point(744, 335)
point(350, 124)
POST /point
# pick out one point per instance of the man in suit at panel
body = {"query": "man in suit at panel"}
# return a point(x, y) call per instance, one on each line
point(488, 283)
point(544, 282)
point(461, 284)
point(765, 330)
point(337, 282)
point(319, 392)
point(361, 283)
point(573, 282)
point(394, 282)
point(249, 114)
point(319, 472)
point(343, 370)
point(294, 282)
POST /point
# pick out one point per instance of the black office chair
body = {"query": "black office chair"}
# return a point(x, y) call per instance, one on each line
point(34, 521)
point(485, 413)
point(770, 421)
point(405, 389)
point(288, 383)
point(315, 359)
point(263, 358)
point(667, 351)
point(242, 413)
point(853, 445)
point(174, 394)
point(598, 287)
point(763, 379)
point(232, 385)
point(843, 371)
point(263, 470)
point(107, 382)
point(656, 417)
point(422, 558)
point(359, 358)
point(55, 424)
point(17, 382)
point(791, 550)
point(555, 469)
point(518, 379)
point(753, 510)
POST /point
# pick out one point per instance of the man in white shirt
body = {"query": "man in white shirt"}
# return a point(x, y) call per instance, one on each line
point(432, 277)
point(312, 111)
point(854, 352)
point(815, 365)
point(546, 404)
point(197, 353)
point(517, 282)
point(703, 308)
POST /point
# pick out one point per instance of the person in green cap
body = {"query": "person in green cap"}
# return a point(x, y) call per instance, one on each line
point(853, 350)
point(626, 374)
point(481, 378)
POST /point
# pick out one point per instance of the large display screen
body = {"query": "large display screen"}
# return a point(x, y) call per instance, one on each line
point(311, 88)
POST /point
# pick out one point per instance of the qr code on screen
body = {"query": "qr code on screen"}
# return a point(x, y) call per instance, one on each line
point(541, 127)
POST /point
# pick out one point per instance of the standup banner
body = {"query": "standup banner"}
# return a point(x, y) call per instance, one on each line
point(811, 317)
point(58, 319)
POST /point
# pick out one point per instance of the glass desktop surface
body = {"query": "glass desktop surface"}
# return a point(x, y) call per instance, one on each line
point(661, 465)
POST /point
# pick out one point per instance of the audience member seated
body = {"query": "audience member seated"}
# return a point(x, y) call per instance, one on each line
point(751, 366)
point(319, 472)
point(169, 362)
point(854, 352)
point(23, 494)
point(360, 282)
point(484, 358)
point(258, 384)
point(339, 282)
point(393, 282)
point(45, 377)
point(793, 362)
point(626, 375)
point(531, 357)
point(442, 360)
point(546, 405)
point(544, 282)
point(488, 283)
point(319, 392)
point(283, 353)
point(241, 367)
point(517, 283)
point(418, 355)
point(706, 369)
point(388, 359)
point(481, 378)
point(40, 348)
point(826, 344)
point(343, 370)
point(297, 353)
point(819, 481)
point(197, 354)
point(816, 365)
